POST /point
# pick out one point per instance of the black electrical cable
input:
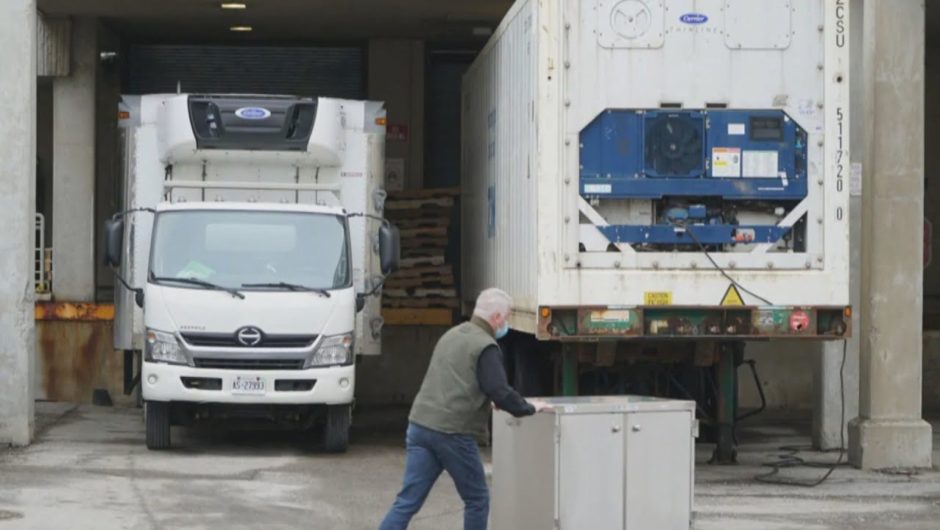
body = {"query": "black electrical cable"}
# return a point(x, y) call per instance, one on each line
point(791, 460)
point(721, 270)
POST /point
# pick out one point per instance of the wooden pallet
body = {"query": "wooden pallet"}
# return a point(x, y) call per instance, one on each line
point(431, 316)
point(424, 194)
point(431, 231)
point(420, 292)
point(422, 261)
point(417, 272)
point(419, 213)
point(422, 252)
point(426, 281)
point(451, 303)
point(418, 204)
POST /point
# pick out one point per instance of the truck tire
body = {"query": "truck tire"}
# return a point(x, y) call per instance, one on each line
point(336, 432)
point(157, 418)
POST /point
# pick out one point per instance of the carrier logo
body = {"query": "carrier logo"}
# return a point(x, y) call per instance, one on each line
point(249, 336)
point(253, 113)
point(693, 18)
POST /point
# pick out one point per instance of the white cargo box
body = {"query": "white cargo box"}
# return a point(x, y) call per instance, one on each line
point(604, 463)
point(536, 226)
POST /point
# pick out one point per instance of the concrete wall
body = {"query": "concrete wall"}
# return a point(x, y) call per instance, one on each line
point(17, 210)
point(786, 372)
point(73, 190)
point(396, 76)
point(395, 376)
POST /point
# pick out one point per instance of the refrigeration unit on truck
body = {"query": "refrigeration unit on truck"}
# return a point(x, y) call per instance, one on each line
point(251, 253)
point(661, 169)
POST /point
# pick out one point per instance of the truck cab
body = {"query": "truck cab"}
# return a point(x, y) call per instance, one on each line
point(251, 257)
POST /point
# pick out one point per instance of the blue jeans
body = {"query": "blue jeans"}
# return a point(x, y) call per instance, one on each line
point(428, 454)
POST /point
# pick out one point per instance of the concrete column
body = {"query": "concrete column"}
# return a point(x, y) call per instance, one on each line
point(396, 76)
point(17, 211)
point(833, 382)
point(73, 171)
point(889, 432)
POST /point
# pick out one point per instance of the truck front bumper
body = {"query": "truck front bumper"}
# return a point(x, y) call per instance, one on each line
point(327, 386)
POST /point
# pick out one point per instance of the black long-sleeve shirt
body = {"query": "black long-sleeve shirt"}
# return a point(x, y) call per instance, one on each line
point(493, 382)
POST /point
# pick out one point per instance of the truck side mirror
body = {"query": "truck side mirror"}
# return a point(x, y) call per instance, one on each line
point(114, 241)
point(389, 248)
point(360, 302)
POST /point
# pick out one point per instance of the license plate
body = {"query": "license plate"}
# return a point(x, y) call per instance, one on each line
point(248, 385)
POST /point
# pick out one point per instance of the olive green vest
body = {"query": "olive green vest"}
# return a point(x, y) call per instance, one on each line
point(450, 399)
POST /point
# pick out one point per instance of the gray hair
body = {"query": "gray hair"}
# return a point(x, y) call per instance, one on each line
point(491, 302)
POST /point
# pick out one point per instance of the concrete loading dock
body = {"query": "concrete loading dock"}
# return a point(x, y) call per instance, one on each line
point(407, 52)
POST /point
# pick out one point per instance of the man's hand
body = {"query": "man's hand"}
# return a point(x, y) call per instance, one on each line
point(540, 405)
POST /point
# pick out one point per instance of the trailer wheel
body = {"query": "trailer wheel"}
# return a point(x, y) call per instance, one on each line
point(157, 419)
point(336, 432)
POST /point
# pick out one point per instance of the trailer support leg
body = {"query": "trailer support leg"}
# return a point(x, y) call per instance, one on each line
point(569, 370)
point(725, 452)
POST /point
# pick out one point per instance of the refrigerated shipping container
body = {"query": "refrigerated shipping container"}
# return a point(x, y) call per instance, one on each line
point(661, 168)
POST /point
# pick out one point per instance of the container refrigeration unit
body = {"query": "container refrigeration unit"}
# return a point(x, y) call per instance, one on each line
point(661, 169)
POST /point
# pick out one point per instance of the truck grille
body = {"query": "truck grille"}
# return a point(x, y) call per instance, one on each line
point(249, 364)
point(228, 340)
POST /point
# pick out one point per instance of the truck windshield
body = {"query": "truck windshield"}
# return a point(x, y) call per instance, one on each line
point(233, 249)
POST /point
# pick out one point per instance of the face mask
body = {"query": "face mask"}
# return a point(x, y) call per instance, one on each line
point(503, 330)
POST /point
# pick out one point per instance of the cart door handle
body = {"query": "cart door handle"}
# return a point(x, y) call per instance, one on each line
point(615, 429)
point(635, 428)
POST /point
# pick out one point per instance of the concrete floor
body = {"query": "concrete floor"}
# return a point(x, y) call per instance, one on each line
point(89, 469)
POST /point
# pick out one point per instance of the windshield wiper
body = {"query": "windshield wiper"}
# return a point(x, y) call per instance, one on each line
point(201, 283)
point(291, 287)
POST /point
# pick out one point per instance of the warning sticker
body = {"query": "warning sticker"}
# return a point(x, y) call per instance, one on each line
point(761, 164)
point(657, 298)
point(726, 162)
point(799, 320)
point(732, 297)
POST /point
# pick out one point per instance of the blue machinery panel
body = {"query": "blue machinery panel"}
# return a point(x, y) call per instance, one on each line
point(694, 155)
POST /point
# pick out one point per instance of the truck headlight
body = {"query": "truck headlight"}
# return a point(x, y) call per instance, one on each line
point(164, 348)
point(334, 350)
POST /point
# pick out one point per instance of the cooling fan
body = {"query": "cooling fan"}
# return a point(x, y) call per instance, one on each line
point(674, 146)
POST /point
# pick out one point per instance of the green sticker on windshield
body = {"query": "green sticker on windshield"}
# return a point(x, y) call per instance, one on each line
point(196, 270)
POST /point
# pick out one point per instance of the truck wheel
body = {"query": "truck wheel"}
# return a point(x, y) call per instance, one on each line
point(157, 417)
point(336, 433)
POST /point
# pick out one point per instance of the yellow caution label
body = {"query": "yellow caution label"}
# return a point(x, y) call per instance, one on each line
point(732, 297)
point(657, 298)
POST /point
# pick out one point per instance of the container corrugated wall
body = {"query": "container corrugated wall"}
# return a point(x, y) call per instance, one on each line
point(499, 228)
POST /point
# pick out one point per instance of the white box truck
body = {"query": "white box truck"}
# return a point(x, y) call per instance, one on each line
point(251, 256)
point(661, 169)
